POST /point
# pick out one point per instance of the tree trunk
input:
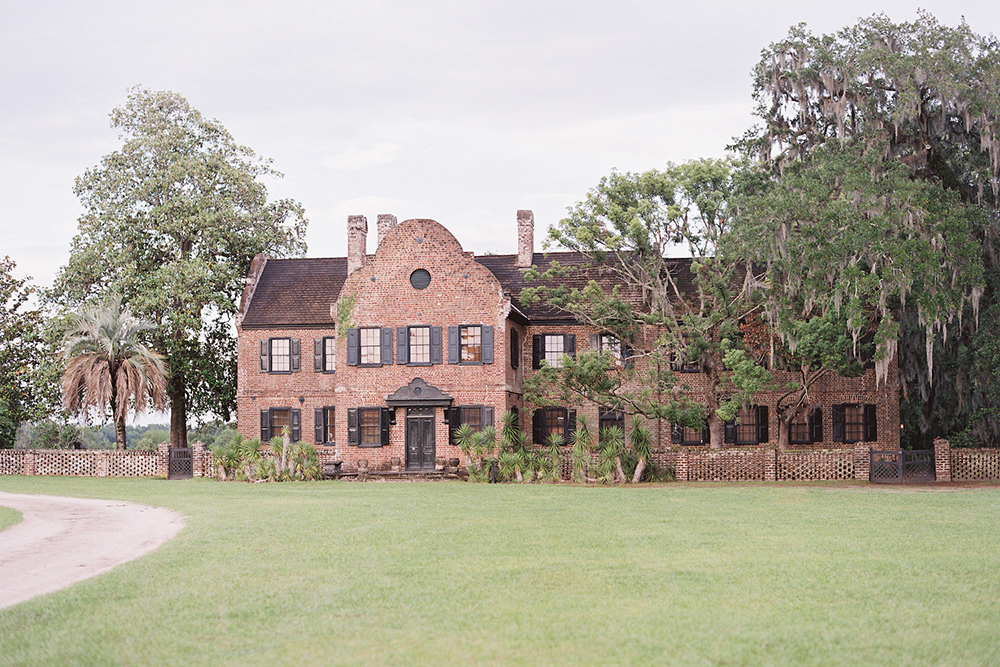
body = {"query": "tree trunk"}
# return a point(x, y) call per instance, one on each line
point(716, 431)
point(640, 467)
point(178, 411)
point(784, 428)
point(121, 442)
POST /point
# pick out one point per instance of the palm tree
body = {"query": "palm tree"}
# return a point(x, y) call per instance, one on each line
point(109, 365)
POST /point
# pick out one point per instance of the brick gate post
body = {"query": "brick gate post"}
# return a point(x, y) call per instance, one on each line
point(942, 460)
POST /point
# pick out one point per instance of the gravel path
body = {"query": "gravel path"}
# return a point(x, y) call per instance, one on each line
point(65, 540)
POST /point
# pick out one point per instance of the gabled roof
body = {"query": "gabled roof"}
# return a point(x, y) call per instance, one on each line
point(296, 293)
point(300, 292)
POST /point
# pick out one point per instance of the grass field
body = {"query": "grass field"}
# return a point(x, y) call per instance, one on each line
point(8, 517)
point(339, 573)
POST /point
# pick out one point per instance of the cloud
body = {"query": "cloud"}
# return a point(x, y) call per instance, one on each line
point(355, 159)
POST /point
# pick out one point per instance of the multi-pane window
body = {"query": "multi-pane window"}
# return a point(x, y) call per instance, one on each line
point(608, 419)
point(750, 426)
point(471, 343)
point(799, 429)
point(553, 421)
point(477, 417)
point(685, 435)
point(281, 355)
point(274, 420)
point(329, 354)
point(855, 422)
point(420, 345)
point(551, 348)
point(370, 426)
point(370, 342)
point(807, 427)
point(328, 424)
point(555, 348)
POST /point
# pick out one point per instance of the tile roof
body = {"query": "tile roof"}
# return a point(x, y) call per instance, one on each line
point(296, 292)
point(299, 292)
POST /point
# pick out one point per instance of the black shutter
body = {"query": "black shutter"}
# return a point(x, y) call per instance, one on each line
point(569, 345)
point(627, 354)
point(436, 350)
point(763, 432)
point(385, 420)
point(454, 417)
point(352, 427)
point(487, 341)
point(295, 345)
point(537, 350)
point(570, 427)
point(353, 347)
point(317, 355)
point(487, 416)
point(402, 345)
point(706, 435)
point(386, 353)
point(838, 423)
point(816, 425)
point(453, 351)
point(265, 425)
point(296, 420)
point(676, 434)
point(537, 420)
point(730, 431)
point(515, 349)
point(871, 423)
point(318, 431)
point(265, 355)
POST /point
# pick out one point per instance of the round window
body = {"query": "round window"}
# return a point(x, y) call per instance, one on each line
point(420, 279)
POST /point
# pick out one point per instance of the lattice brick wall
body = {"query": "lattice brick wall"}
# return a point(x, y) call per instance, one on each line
point(66, 462)
point(975, 464)
point(131, 463)
point(727, 465)
point(12, 461)
point(816, 465)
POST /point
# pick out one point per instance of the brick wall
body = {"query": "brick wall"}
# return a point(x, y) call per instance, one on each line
point(80, 462)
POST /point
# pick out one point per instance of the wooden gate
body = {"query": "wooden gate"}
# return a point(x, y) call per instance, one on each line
point(181, 463)
point(898, 466)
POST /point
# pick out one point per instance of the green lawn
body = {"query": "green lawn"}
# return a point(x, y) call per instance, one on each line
point(455, 574)
point(8, 516)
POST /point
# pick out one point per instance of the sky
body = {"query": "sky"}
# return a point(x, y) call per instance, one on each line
point(463, 112)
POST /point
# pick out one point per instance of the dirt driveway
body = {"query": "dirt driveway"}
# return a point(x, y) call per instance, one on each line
point(64, 540)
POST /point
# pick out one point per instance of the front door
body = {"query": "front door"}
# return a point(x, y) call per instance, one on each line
point(420, 439)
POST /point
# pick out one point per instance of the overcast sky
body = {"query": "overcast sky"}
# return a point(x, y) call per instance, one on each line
point(462, 112)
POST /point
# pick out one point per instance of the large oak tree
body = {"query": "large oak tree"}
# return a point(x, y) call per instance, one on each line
point(879, 179)
point(171, 222)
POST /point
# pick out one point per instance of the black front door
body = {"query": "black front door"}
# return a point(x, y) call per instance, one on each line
point(420, 439)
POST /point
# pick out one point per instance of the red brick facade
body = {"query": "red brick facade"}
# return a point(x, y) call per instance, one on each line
point(302, 303)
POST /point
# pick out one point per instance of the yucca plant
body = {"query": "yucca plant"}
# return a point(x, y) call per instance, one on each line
point(641, 442)
point(612, 447)
point(582, 444)
point(477, 446)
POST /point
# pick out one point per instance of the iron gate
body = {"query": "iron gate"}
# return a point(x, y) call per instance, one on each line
point(898, 466)
point(181, 463)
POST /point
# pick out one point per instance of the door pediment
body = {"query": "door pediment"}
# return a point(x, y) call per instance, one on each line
point(418, 393)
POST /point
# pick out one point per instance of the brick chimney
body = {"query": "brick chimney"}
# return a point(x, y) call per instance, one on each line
point(525, 239)
point(386, 222)
point(357, 242)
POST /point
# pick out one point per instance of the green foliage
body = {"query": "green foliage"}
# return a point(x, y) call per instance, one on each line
point(26, 390)
point(152, 438)
point(877, 198)
point(478, 446)
point(583, 444)
point(172, 222)
point(280, 461)
point(628, 226)
point(109, 369)
point(611, 449)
